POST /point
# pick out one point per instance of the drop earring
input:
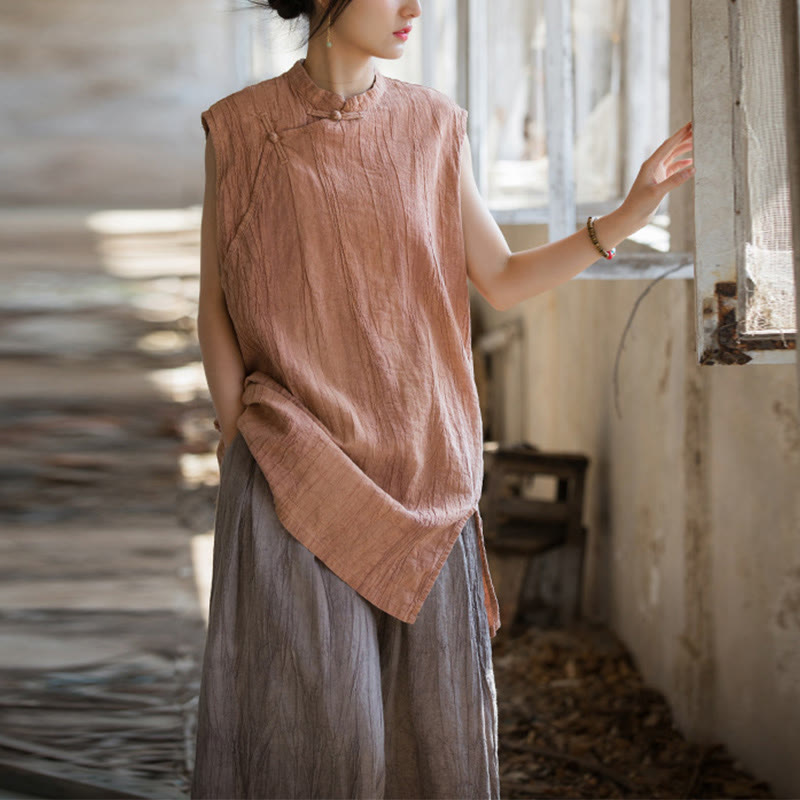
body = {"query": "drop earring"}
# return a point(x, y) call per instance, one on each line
point(328, 43)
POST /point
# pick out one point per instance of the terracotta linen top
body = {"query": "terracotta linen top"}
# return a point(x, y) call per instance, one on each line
point(342, 261)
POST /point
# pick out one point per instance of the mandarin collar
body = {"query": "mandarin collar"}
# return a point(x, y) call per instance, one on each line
point(323, 100)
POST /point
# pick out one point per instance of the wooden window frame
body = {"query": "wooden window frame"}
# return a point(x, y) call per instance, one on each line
point(563, 216)
point(790, 25)
point(718, 189)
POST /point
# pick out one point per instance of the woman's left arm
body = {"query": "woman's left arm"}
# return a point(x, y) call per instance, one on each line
point(505, 278)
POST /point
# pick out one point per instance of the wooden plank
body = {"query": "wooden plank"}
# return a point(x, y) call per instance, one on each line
point(713, 153)
point(477, 59)
point(719, 192)
point(739, 136)
point(40, 778)
point(641, 266)
point(790, 25)
point(530, 544)
point(429, 28)
point(532, 510)
point(561, 465)
point(636, 100)
point(560, 119)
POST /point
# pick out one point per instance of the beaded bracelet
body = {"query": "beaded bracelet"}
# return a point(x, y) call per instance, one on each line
point(609, 254)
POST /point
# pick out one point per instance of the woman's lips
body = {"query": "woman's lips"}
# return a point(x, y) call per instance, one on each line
point(402, 33)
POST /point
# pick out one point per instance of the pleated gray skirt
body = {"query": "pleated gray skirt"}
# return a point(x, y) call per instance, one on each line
point(310, 691)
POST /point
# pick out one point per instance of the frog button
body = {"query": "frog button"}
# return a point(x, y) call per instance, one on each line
point(273, 137)
point(336, 114)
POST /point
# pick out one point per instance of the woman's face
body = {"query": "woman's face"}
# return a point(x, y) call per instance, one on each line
point(370, 25)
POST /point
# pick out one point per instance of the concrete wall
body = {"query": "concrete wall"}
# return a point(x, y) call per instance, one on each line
point(693, 505)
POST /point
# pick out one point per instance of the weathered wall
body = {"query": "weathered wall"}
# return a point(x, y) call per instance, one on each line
point(101, 100)
point(693, 504)
point(692, 507)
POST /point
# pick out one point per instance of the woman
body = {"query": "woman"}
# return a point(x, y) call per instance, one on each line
point(351, 612)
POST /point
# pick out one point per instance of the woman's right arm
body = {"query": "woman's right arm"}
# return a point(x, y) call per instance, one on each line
point(222, 359)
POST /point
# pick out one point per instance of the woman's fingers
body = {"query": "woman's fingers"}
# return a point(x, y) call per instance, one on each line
point(663, 171)
point(678, 165)
point(683, 145)
point(684, 130)
point(664, 159)
point(680, 137)
point(680, 151)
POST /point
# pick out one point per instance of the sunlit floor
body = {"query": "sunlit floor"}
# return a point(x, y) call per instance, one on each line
point(109, 485)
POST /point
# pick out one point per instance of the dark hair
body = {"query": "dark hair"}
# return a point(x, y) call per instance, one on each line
point(290, 9)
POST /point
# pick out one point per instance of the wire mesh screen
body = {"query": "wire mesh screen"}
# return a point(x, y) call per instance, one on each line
point(768, 265)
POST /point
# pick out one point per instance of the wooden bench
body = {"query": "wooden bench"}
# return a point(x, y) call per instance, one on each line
point(517, 523)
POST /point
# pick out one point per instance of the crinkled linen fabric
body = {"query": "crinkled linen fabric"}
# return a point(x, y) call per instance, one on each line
point(309, 690)
point(342, 260)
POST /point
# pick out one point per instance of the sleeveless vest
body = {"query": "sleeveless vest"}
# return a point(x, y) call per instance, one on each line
point(341, 257)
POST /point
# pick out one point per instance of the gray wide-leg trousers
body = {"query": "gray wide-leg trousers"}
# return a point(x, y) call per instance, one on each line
point(310, 691)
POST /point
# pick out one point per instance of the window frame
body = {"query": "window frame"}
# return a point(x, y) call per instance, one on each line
point(790, 25)
point(718, 187)
point(563, 216)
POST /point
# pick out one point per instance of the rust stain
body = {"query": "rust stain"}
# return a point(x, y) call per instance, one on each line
point(788, 418)
point(728, 348)
point(725, 289)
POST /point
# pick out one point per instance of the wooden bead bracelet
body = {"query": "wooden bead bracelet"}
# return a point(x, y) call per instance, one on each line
point(609, 254)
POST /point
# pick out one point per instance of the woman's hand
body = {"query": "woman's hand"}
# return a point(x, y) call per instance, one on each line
point(660, 173)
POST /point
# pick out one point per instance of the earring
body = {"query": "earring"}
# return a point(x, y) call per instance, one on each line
point(328, 43)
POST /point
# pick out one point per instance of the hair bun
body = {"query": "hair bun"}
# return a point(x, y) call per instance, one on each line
point(288, 9)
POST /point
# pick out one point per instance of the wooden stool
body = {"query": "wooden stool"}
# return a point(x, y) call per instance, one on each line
point(514, 523)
